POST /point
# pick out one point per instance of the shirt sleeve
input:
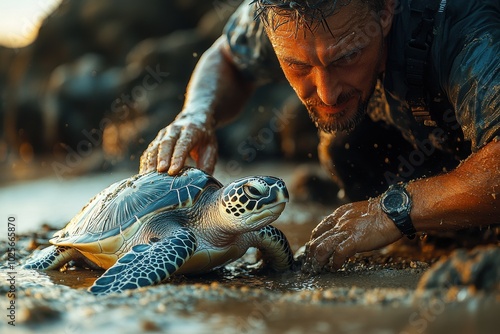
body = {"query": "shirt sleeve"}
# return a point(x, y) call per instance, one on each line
point(250, 47)
point(473, 79)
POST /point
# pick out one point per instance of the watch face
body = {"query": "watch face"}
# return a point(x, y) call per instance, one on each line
point(394, 202)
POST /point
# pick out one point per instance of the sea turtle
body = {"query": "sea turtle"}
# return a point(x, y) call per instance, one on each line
point(145, 228)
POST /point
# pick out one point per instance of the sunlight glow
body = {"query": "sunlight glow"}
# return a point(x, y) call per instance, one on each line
point(20, 20)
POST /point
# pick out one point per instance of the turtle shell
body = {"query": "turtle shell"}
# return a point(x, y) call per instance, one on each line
point(116, 209)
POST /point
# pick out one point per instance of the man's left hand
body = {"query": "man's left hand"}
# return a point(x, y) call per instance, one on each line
point(352, 228)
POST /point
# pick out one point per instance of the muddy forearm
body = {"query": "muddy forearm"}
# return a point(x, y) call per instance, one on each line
point(216, 90)
point(468, 196)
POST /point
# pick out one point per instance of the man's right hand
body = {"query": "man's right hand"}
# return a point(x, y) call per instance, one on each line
point(216, 93)
point(188, 135)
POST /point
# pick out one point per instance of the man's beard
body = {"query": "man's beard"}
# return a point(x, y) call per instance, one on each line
point(346, 120)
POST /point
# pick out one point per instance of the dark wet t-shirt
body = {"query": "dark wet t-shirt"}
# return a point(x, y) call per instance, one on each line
point(464, 69)
point(472, 80)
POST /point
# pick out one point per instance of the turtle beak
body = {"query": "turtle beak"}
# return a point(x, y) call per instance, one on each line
point(281, 198)
point(268, 215)
point(280, 192)
point(278, 208)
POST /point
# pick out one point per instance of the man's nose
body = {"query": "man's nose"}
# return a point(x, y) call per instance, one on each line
point(328, 87)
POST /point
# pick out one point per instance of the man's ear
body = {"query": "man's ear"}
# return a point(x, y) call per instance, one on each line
point(386, 15)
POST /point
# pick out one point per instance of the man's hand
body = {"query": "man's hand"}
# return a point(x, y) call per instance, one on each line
point(216, 94)
point(352, 228)
point(186, 136)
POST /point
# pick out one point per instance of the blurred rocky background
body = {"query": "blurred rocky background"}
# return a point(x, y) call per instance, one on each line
point(102, 77)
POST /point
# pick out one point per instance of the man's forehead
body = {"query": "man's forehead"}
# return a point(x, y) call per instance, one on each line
point(339, 31)
point(310, 12)
point(340, 25)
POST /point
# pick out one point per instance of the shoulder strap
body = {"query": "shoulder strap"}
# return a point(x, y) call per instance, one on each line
point(417, 51)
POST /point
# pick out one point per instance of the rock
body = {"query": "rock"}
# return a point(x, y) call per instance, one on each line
point(69, 112)
point(150, 326)
point(66, 81)
point(479, 268)
point(310, 184)
point(36, 314)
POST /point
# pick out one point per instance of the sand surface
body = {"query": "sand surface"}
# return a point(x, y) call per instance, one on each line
point(375, 292)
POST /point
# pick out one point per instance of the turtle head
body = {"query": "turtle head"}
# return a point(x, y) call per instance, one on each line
point(253, 202)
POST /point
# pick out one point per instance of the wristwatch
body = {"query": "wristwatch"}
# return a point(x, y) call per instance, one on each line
point(396, 203)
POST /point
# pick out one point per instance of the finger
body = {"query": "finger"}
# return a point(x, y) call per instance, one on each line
point(180, 153)
point(166, 146)
point(309, 264)
point(325, 225)
point(207, 159)
point(148, 162)
point(143, 167)
point(164, 156)
point(327, 246)
point(343, 251)
point(310, 267)
point(320, 250)
point(148, 158)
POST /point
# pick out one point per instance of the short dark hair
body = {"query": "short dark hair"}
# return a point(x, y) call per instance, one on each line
point(305, 13)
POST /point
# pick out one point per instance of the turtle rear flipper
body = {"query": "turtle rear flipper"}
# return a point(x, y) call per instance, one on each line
point(147, 264)
point(274, 247)
point(52, 257)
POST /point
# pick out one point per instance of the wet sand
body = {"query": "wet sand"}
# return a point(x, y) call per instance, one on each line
point(375, 292)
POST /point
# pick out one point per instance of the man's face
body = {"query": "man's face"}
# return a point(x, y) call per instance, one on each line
point(334, 71)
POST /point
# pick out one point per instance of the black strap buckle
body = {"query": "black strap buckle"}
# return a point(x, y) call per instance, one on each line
point(417, 51)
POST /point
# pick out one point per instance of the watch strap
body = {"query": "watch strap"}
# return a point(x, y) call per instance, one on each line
point(405, 225)
point(402, 220)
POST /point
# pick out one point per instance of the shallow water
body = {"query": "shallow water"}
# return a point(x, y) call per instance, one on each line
point(374, 293)
point(50, 200)
point(247, 303)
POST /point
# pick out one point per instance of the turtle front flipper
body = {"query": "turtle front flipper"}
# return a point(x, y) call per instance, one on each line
point(147, 264)
point(52, 257)
point(274, 247)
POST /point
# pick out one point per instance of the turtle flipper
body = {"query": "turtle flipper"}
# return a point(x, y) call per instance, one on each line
point(147, 264)
point(274, 247)
point(51, 257)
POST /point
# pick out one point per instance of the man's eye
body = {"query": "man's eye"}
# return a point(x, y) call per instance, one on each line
point(349, 58)
point(298, 67)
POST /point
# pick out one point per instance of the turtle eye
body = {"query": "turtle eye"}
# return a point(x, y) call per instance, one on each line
point(251, 191)
point(153, 240)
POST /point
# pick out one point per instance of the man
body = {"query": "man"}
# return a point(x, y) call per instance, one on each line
point(441, 80)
